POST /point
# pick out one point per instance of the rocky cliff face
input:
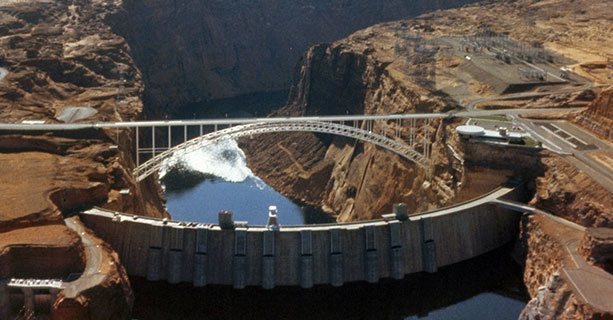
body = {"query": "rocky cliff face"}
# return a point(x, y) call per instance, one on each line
point(362, 74)
point(192, 51)
point(567, 192)
point(550, 261)
point(599, 116)
point(58, 55)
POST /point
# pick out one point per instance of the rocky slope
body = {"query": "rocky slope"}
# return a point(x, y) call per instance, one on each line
point(599, 116)
point(190, 51)
point(355, 181)
point(58, 55)
point(567, 192)
point(363, 74)
point(562, 285)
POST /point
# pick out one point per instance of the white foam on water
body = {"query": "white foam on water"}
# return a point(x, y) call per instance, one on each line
point(3, 73)
point(223, 159)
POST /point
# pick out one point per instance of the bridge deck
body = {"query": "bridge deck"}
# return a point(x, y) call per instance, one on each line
point(236, 121)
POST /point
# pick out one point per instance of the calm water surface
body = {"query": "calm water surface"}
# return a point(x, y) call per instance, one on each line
point(248, 200)
point(487, 287)
point(229, 185)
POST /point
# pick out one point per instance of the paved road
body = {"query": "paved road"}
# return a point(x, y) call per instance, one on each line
point(237, 121)
point(567, 139)
point(92, 275)
point(592, 284)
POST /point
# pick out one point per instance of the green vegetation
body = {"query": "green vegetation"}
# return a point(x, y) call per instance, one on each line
point(531, 142)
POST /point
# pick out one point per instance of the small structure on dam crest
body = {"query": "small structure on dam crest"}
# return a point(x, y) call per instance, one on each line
point(239, 255)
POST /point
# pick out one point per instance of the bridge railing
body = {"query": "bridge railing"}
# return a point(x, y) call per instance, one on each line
point(410, 139)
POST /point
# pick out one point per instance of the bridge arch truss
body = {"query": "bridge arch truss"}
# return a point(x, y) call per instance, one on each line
point(410, 138)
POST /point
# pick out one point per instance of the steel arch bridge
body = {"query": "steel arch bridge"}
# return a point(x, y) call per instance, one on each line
point(394, 144)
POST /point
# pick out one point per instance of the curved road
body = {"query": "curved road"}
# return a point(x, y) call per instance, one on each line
point(91, 275)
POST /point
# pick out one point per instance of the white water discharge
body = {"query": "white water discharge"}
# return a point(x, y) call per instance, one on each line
point(3, 73)
point(223, 159)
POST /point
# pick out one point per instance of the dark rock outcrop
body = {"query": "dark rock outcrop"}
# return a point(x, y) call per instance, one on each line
point(190, 51)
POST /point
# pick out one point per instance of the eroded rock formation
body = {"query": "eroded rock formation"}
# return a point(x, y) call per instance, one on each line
point(192, 51)
point(355, 181)
point(59, 55)
point(599, 116)
point(568, 192)
point(562, 286)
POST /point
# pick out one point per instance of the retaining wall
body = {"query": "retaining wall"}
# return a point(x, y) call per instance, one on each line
point(305, 255)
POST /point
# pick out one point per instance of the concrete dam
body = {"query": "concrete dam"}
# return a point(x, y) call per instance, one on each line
point(305, 256)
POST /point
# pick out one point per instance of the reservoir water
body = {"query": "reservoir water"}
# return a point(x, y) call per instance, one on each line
point(487, 287)
point(222, 181)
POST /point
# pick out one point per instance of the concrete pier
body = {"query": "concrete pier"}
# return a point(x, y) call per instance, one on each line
point(175, 266)
point(268, 260)
point(396, 250)
point(371, 260)
point(33, 295)
point(306, 256)
point(306, 259)
point(199, 274)
point(154, 264)
point(239, 262)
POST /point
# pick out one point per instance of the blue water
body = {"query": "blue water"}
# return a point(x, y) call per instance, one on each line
point(231, 186)
point(486, 305)
point(248, 200)
point(485, 288)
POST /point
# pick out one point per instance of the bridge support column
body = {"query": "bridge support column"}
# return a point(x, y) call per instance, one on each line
point(28, 298)
point(396, 256)
point(268, 260)
point(306, 259)
point(428, 245)
point(336, 258)
point(5, 306)
point(53, 292)
point(239, 261)
point(154, 264)
point(200, 258)
point(43, 302)
point(175, 265)
point(371, 260)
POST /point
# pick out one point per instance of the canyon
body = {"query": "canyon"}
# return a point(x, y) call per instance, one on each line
point(194, 51)
point(129, 58)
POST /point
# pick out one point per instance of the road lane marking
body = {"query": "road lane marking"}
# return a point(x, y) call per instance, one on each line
point(570, 134)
